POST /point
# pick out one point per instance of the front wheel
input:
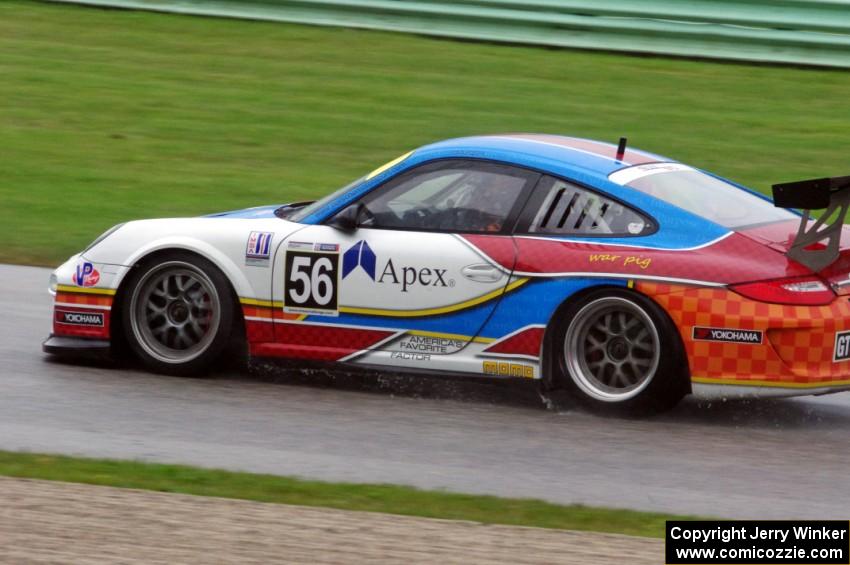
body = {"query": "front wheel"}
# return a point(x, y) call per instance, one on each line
point(178, 314)
point(620, 352)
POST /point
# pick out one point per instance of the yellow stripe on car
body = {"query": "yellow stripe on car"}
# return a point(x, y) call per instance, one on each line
point(458, 337)
point(389, 165)
point(774, 384)
point(85, 290)
point(262, 303)
point(402, 313)
point(433, 311)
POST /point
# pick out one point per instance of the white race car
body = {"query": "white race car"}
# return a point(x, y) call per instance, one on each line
point(622, 276)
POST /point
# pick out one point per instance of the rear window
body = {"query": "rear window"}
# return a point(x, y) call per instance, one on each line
point(701, 194)
point(572, 210)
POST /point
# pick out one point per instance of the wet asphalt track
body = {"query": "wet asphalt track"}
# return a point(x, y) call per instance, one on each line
point(777, 459)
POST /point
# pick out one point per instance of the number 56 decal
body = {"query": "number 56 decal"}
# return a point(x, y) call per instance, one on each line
point(311, 282)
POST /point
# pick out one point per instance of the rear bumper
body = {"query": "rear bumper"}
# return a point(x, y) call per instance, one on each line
point(741, 347)
point(76, 346)
point(713, 390)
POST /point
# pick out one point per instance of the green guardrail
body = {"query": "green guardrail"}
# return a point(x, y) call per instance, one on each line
point(806, 32)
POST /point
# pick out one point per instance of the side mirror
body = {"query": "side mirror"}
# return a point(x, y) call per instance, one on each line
point(347, 219)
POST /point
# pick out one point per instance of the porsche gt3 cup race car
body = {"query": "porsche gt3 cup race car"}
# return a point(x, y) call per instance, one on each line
point(620, 276)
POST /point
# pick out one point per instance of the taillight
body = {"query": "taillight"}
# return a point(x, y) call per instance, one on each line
point(800, 291)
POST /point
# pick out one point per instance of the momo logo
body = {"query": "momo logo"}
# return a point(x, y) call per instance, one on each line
point(842, 347)
point(80, 318)
point(361, 255)
point(505, 369)
point(727, 335)
point(85, 275)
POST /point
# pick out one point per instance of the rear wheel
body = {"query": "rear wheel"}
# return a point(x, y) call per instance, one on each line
point(620, 352)
point(178, 314)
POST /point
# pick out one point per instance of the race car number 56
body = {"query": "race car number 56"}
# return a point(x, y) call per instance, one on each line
point(311, 283)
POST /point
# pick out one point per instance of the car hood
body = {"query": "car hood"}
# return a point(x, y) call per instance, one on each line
point(255, 212)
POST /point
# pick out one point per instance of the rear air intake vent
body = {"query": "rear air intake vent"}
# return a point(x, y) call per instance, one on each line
point(551, 209)
point(571, 209)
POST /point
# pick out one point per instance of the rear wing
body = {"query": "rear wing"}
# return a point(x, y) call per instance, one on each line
point(830, 193)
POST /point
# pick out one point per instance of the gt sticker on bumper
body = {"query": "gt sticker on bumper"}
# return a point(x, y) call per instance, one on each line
point(728, 335)
point(842, 347)
point(80, 318)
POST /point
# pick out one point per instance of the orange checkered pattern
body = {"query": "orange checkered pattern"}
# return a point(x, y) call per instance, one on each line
point(84, 299)
point(81, 302)
point(798, 344)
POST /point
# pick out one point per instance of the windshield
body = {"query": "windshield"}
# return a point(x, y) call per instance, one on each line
point(701, 194)
point(302, 213)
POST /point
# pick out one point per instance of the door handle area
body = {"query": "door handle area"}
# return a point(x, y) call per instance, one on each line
point(482, 272)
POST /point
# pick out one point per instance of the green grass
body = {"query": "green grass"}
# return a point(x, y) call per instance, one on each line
point(113, 115)
point(371, 498)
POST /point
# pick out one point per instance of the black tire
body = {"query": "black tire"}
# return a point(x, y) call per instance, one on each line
point(177, 313)
point(618, 352)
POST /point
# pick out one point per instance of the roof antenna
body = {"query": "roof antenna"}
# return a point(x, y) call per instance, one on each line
point(621, 149)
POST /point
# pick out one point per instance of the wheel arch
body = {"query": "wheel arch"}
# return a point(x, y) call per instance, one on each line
point(553, 328)
point(240, 283)
point(548, 359)
point(149, 254)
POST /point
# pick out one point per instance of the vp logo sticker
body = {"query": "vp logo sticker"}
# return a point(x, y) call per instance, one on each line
point(85, 275)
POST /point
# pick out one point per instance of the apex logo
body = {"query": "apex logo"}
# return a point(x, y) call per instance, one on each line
point(360, 255)
point(409, 276)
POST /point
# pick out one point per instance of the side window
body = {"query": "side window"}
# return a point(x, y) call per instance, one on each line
point(457, 195)
point(570, 209)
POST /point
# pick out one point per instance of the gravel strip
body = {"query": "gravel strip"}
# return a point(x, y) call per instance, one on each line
point(54, 522)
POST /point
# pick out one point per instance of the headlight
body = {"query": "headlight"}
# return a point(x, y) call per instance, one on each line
point(103, 236)
point(53, 285)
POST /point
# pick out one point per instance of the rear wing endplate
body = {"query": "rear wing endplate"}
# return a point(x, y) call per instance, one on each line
point(830, 193)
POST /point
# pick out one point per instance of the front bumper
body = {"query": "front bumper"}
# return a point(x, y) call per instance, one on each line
point(83, 309)
point(76, 346)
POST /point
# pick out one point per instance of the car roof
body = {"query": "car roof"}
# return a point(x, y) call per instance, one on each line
point(595, 157)
point(583, 161)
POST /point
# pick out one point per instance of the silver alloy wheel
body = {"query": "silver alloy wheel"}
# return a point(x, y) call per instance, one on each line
point(612, 349)
point(175, 312)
